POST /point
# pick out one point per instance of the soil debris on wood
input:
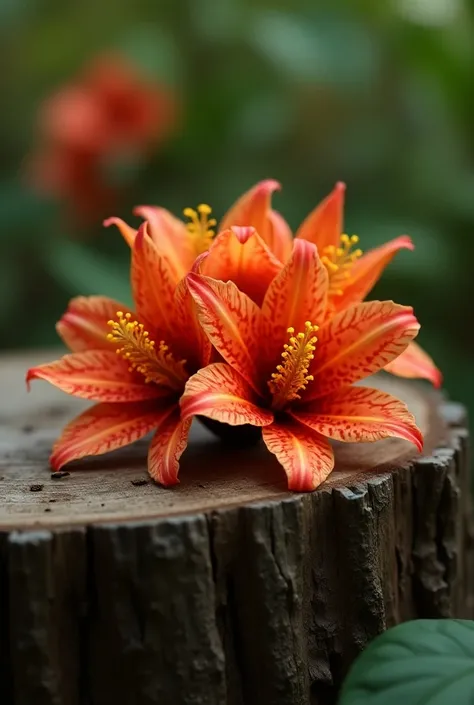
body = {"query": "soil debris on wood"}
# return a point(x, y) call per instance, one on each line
point(139, 482)
point(36, 488)
point(59, 474)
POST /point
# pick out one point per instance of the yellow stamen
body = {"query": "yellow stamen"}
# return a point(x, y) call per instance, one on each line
point(339, 262)
point(292, 375)
point(156, 364)
point(200, 226)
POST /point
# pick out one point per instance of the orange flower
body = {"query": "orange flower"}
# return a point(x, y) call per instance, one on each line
point(109, 111)
point(134, 364)
point(236, 253)
point(293, 379)
point(352, 274)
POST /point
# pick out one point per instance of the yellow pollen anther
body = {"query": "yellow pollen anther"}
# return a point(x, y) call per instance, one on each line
point(339, 262)
point(200, 226)
point(292, 376)
point(153, 361)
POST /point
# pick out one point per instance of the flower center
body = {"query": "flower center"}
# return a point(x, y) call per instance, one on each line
point(156, 364)
point(339, 262)
point(291, 376)
point(200, 226)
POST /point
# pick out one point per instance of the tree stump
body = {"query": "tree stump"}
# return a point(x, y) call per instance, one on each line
point(228, 589)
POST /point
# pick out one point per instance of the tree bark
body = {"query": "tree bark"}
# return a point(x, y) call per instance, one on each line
point(227, 590)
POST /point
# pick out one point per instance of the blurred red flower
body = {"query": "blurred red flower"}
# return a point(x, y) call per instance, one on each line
point(112, 111)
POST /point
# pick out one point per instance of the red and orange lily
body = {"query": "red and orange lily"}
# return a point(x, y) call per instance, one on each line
point(292, 379)
point(352, 274)
point(134, 364)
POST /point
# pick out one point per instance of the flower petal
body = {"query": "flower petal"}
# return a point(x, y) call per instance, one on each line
point(358, 414)
point(84, 325)
point(358, 342)
point(280, 239)
point(166, 448)
point(128, 233)
point(170, 236)
point(190, 341)
point(307, 457)
point(253, 209)
point(241, 256)
point(107, 427)
point(232, 321)
point(153, 285)
point(296, 295)
point(324, 225)
point(368, 269)
point(415, 362)
point(100, 375)
point(220, 393)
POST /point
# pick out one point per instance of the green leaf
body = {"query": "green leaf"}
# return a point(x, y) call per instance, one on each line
point(424, 662)
point(82, 271)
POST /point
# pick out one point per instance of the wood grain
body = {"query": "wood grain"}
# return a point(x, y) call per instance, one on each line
point(226, 590)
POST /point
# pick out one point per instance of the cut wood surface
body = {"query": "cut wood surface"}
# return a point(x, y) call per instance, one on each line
point(227, 589)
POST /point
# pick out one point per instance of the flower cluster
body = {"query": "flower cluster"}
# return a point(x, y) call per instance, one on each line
point(109, 112)
point(243, 323)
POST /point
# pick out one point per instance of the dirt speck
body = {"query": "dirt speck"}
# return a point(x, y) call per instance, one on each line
point(139, 482)
point(36, 488)
point(59, 475)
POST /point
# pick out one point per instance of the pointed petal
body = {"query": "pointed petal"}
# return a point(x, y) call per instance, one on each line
point(253, 209)
point(99, 375)
point(166, 448)
point(324, 225)
point(190, 340)
point(280, 239)
point(296, 295)
point(128, 233)
point(220, 393)
point(241, 256)
point(414, 362)
point(170, 236)
point(106, 427)
point(358, 342)
point(357, 414)
point(84, 325)
point(153, 285)
point(307, 457)
point(368, 270)
point(232, 321)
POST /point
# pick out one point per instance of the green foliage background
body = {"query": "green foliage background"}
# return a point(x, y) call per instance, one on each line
point(376, 93)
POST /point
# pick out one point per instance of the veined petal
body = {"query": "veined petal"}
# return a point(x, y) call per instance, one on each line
point(106, 427)
point(358, 414)
point(280, 239)
point(166, 448)
point(220, 393)
point(232, 321)
point(241, 256)
point(414, 362)
point(306, 457)
point(253, 209)
point(84, 325)
point(170, 236)
point(324, 225)
point(367, 271)
point(100, 375)
point(358, 342)
point(128, 233)
point(298, 294)
point(153, 284)
point(190, 341)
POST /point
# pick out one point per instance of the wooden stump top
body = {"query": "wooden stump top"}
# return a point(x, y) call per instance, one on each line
point(116, 487)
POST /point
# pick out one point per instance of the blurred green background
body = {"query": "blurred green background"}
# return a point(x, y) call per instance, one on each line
point(376, 93)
